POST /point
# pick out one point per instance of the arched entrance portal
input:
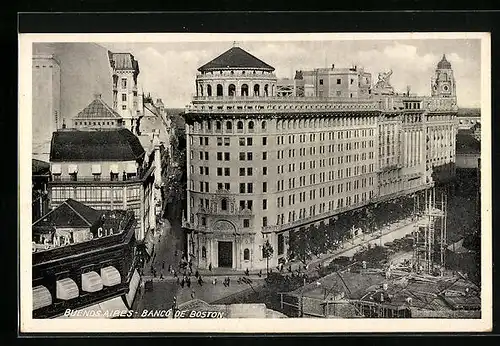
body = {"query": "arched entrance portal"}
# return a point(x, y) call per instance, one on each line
point(226, 244)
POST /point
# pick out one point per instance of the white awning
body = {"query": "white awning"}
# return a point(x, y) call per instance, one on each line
point(66, 289)
point(112, 305)
point(41, 297)
point(72, 169)
point(132, 288)
point(110, 276)
point(91, 282)
point(113, 168)
point(131, 168)
point(96, 169)
point(56, 168)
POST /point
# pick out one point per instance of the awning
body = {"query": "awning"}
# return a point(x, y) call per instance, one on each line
point(110, 276)
point(41, 297)
point(56, 168)
point(66, 289)
point(113, 168)
point(91, 282)
point(132, 288)
point(131, 168)
point(96, 169)
point(72, 169)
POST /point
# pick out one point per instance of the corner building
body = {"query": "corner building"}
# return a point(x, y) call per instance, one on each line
point(260, 166)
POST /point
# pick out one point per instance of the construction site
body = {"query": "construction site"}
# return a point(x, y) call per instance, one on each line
point(412, 280)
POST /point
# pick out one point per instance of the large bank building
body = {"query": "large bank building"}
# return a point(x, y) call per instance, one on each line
point(261, 164)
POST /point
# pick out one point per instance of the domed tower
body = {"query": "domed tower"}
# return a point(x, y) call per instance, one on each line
point(236, 73)
point(443, 82)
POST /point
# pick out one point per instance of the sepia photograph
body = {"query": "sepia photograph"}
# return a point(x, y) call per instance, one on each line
point(187, 182)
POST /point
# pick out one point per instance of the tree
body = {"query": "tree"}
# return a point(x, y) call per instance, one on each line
point(267, 252)
point(316, 239)
point(299, 247)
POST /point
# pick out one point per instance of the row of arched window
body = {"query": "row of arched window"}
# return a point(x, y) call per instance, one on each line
point(232, 90)
point(228, 125)
point(324, 122)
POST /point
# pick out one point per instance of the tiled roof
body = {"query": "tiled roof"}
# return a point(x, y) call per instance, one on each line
point(444, 64)
point(236, 58)
point(98, 109)
point(112, 145)
point(70, 213)
point(123, 61)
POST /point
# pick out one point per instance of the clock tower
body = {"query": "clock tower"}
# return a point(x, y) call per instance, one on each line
point(443, 83)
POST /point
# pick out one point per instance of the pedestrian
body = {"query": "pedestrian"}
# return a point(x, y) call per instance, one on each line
point(260, 273)
point(200, 281)
point(163, 265)
point(178, 281)
point(247, 273)
point(192, 294)
point(169, 268)
point(161, 275)
point(196, 274)
point(228, 281)
point(182, 283)
point(188, 282)
point(210, 266)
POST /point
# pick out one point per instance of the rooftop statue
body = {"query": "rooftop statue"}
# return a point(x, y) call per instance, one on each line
point(383, 86)
point(383, 80)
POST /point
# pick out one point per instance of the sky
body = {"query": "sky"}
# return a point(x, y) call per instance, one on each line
point(168, 69)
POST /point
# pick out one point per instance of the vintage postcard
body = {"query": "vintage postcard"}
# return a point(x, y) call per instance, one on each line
point(255, 183)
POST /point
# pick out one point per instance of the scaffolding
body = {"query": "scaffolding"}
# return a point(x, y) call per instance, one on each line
point(430, 238)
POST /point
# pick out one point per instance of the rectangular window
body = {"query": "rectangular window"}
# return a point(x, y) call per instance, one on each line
point(206, 155)
point(264, 170)
point(242, 141)
point(246, 223)
point(249, 171)
point(206, 187)
point(242, 156)
point(124, 97)
point(264, 221)
point(339, 81)
point(250, 187)
point(242, 188)
point(249, 141)
point(219, 141)
point(201, 170)
point(219, 186)
point(249, 156)
point(264, 140)
point(124, 107)
point(206, 140)
point(227, 186)
point(320, 82)
point(264, 204)
point(249, 205)
point(242, 205)
point(226, 141)
point(264, 186)
point(124, 83)
point(242, 172)
point(227, 172)
point(219, 171)
point(201, 186)
point(226, 156)
point(264, 155)
point(201, 140)
point(219, 156)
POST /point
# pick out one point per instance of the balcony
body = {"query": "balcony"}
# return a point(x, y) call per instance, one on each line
point(102, 178)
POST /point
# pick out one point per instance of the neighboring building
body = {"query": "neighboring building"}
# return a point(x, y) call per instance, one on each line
point(40, 176)
point(285, 87)
point(371, 294)
point(333, 82)
point(97, 116)
point(468, 150)
point(82, 257)
point(106, 170)
point(198, 307)
point(65, 76)
point(126, 100)
point(261, 167)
